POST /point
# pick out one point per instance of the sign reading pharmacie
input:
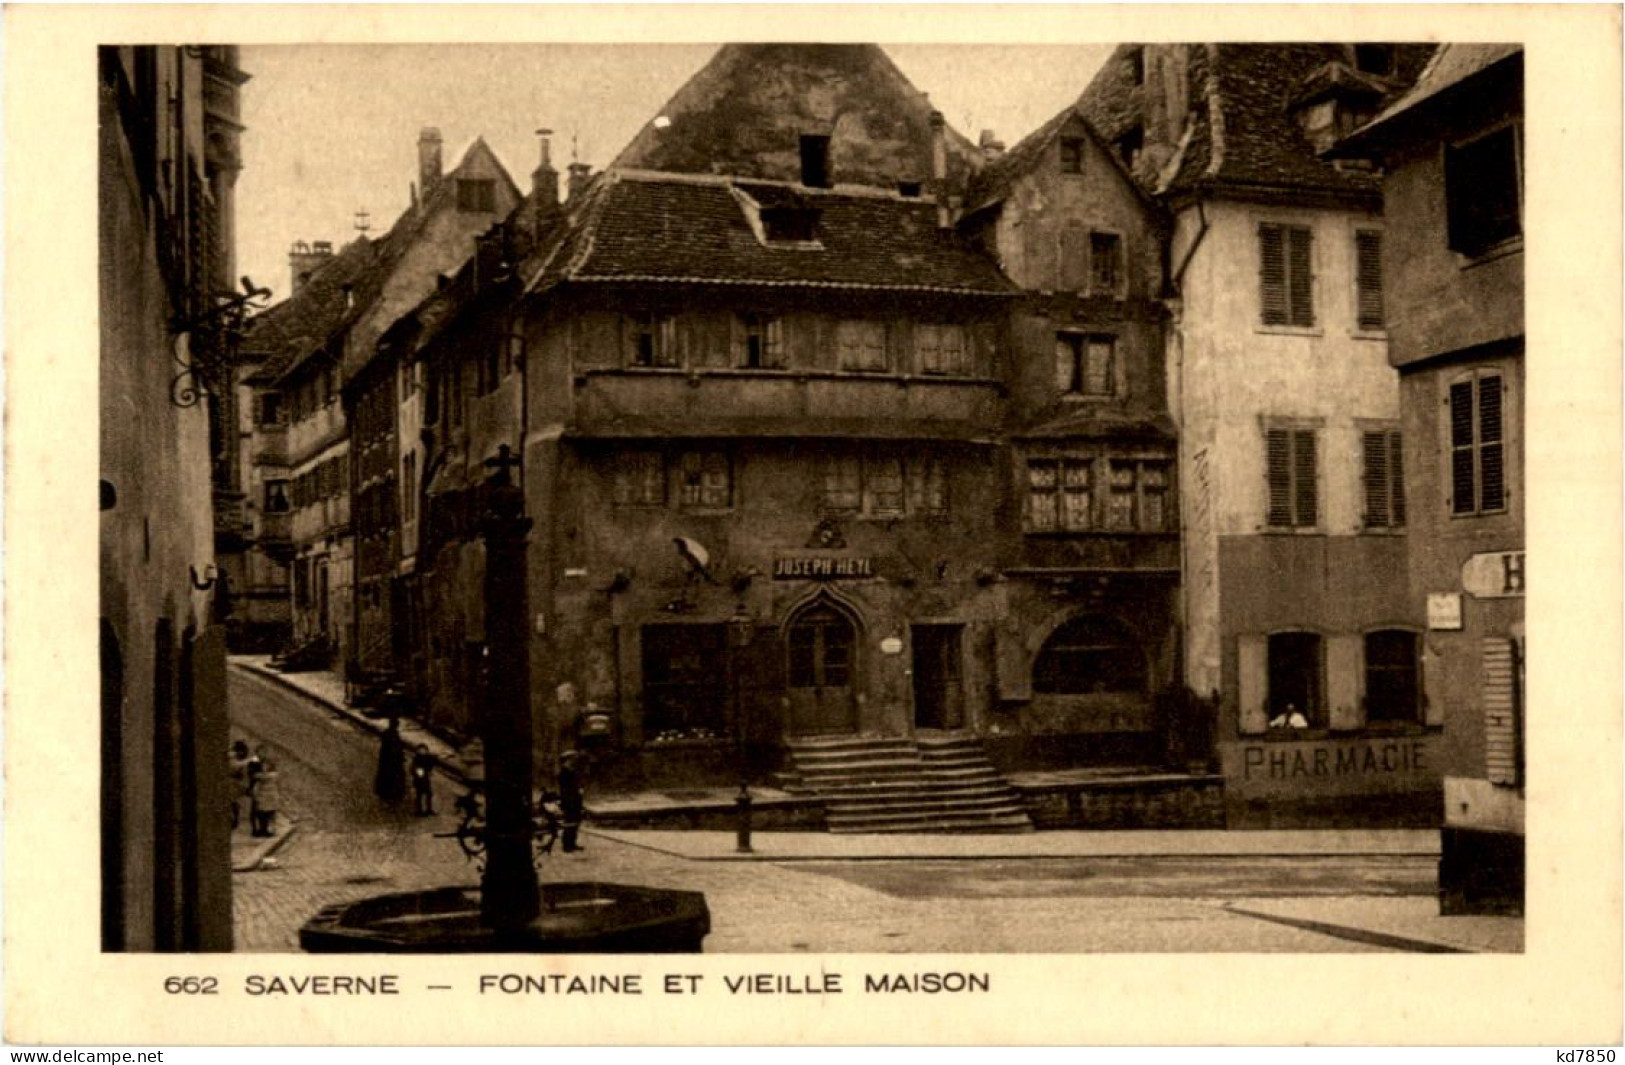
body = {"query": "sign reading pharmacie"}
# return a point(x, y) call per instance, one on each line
point(822, 568)
point(1342, 766)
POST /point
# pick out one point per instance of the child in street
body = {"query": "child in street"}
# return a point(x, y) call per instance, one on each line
point(423, 780)
point(264, 798)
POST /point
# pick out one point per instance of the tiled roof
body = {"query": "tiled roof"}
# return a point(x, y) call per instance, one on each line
point(290, 331)
point(1451, 65)
point(1242, 133)
point(297, 327)
point(647, 227)
point(995, 180)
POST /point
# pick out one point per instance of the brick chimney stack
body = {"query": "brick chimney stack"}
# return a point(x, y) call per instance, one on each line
point(544, 180)
point(992, 147)
point(304, 260)
point(428, 161)
point(579, 172)
point(939, 168)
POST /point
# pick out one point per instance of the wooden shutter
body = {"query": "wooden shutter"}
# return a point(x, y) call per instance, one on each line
point(1377, 480)
point(1300, 277)
point(1491, 469)
point(1252, 682)
point(1345, 668)
point(1500, 724)
point(1463, 499)
point(1396, 482)
point(1368, 278)
point(1433, 687)
point(1305, 488)
point(1278, 473)
point(1272, 274)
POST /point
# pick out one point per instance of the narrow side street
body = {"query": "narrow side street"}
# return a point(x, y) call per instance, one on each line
point(348, 845)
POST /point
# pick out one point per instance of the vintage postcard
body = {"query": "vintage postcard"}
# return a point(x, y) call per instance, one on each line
point(715, 525)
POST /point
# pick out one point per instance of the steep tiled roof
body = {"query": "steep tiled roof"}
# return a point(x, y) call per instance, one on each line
point(288, 332)
point(1242, 134)
point(744, 111)
point(1451, 65)
point(294, 329)
point(995, 180)
point(646, 227)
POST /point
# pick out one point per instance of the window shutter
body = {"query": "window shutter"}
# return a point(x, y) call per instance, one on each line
point(1368, 278)
point(1067, 372)
point(1305, 488)
point(1098, 371)
point(1492, 485)
point(1278, 472)
point(1376, 480)
point(1300, 277)
point(1463, 499)
point(1500, 728)
point(1433, 688)
point(1396, 473)
point(1252, 678)
point(773, 344)
point(1345, 664)
point(1272, 274)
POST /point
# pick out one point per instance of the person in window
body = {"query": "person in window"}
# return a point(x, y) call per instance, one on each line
point(1291, 717)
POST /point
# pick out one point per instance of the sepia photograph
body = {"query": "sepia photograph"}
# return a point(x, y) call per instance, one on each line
point(756, 495)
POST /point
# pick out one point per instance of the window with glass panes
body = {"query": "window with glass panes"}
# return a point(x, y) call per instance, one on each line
point(1477, 444)
point(640, 479)
point(707, 480)
point(862, 345)
point(651, 340)
point(1392, 687)
point(1085, 364)
point(885, 486)
point(1060, 494)
point(940, 349)
point(759, 342)
point(1105, 263)
point(1139, 492)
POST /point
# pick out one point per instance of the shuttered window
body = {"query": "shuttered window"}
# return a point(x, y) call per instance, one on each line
point(1503, 733)
point(1085, 364)
point(1477, 445)
point(939, 349)
point(1384, 464)
point(1368, 279)
point(1285, 274)
point(1291, 470)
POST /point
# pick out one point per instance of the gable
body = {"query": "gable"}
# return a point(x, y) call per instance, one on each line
point(746, 111)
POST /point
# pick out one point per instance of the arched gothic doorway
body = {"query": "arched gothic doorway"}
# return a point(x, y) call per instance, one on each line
point(821, 669)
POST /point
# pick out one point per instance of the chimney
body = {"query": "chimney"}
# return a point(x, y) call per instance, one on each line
point(304, 260)
point(428, 160)
point(544, 181)
point(579, 172)
point(939, 168)
point(992, 147)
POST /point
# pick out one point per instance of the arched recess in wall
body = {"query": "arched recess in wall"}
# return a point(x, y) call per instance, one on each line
point(1092, 654)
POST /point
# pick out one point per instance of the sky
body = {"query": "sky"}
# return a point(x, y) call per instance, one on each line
point(333, 129)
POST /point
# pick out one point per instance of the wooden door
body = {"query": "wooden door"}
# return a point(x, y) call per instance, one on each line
point(939, 698)
point(821, 660)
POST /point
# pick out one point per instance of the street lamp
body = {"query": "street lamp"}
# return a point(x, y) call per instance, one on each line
point(740, 631)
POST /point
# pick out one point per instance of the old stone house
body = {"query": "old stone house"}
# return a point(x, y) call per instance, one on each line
point(1451, 151)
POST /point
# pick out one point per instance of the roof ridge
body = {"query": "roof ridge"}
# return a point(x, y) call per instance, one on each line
point(1215, 111)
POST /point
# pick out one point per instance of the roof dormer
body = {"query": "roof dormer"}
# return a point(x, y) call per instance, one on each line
point(1339, 97)
point(781, 217)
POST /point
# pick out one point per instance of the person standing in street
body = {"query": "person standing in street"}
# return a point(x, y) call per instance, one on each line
point(238, 762)
point(571, 802)
point(389, 783)
point(265, 797)
point(423, 764)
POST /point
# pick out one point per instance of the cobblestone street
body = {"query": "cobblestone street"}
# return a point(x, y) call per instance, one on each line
point(348, 846)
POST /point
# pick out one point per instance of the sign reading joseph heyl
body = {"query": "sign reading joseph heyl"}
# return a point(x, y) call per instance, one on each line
point(804, 568)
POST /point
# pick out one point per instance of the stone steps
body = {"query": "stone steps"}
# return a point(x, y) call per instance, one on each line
point(887, 784)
